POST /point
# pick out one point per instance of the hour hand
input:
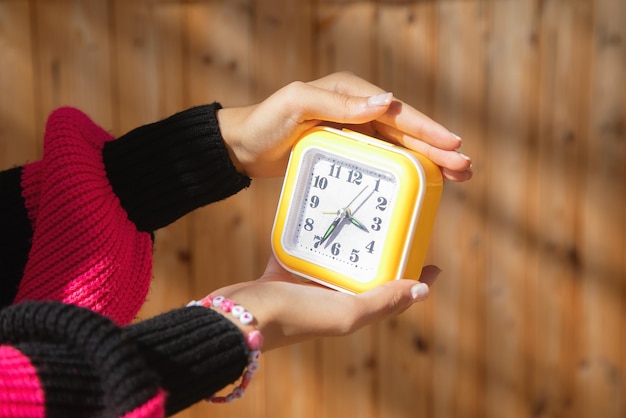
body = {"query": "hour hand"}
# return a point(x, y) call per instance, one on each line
point(356, 222)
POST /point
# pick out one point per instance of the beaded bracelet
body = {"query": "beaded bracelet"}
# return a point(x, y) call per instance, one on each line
point(254, 340)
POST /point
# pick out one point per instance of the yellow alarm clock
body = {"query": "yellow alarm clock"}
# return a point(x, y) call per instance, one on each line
point(354, 211)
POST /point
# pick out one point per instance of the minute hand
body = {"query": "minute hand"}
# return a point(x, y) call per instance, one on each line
point(350, 212)
point(331, 228)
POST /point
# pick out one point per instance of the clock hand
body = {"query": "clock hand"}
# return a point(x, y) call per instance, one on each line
point(330, 229)
point(356, 197)
point(343, 213)
point(350, 213)
point(355, 221)
point(364, 200)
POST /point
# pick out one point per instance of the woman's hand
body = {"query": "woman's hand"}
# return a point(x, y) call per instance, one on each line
point(260, 137)
point(288, 310)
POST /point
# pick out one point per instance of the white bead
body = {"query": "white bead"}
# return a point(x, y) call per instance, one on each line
point(254, 355)
point(238, 392)
point(253, 367)
point(237, 311)
point(217, 301)
point(194, 303)
point(246, 318)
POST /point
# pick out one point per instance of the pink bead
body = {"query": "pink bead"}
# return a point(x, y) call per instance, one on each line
point(207, 301)
point(218, 399)
point(227, 305)
point(247, 378)
point(254, 340)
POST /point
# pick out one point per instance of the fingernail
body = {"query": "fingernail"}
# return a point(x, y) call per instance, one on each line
point(380, 99)
point(419, 292)
point(458, 138)
point(464, 156)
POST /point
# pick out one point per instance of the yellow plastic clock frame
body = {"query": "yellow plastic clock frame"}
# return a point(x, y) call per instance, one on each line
point(419, 189)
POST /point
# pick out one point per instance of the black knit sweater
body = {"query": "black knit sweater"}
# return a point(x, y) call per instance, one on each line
point(66, 348)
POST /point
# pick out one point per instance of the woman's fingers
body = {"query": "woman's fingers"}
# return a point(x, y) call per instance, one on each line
point(347, 83)
point(404, 125)
point(309, 103)
point(401, 116)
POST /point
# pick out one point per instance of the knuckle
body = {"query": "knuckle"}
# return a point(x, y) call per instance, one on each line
point(396, 303)
point(291, 100)
point(293, 90)
point(346, 74)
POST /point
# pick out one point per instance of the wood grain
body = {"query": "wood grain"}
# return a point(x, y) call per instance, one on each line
point(528, 316)
point(19, 131)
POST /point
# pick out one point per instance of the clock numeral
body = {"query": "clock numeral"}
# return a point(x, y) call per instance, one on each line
point(308, 224)
point(315, 202)
point(320, 182)
point(370, 247)
point(355, 177)
point(334, 249)
point(335, 169)
point(354, 257)
point(382, 203)
point(316, 241)
point(376, 225)
point(377, 184)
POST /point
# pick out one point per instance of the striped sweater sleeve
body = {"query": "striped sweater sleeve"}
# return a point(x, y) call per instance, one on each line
point(92, 203)
point(76, 228)
point(59, 360)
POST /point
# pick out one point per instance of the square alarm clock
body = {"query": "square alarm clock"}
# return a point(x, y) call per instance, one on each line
point(354, 211)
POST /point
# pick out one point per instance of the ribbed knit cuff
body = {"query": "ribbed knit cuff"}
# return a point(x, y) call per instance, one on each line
point(195, 352)
point(85, 364)
point(166, 169)
point(15, 234)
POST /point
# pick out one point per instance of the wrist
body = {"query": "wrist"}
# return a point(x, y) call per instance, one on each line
point(229, 120)
point(244, 320)
point(267, 316)
point(235, 313)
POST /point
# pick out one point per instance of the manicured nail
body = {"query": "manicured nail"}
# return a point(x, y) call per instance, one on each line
point(380, 99)
point(464, 156)
point(419, 291)
point(458, 138)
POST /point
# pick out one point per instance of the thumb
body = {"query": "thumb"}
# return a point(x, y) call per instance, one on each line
point(396, 296)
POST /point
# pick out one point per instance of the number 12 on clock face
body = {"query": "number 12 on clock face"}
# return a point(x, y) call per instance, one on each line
point(349, 210)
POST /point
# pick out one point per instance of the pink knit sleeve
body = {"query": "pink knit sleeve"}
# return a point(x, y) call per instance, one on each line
point(85, 251)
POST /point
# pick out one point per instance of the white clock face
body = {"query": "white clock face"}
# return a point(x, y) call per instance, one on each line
point(340, 214)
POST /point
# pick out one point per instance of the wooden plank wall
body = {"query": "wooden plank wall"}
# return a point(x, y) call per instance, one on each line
point(529, 316)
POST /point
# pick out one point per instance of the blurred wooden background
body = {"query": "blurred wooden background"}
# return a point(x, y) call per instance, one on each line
point(528, 318)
